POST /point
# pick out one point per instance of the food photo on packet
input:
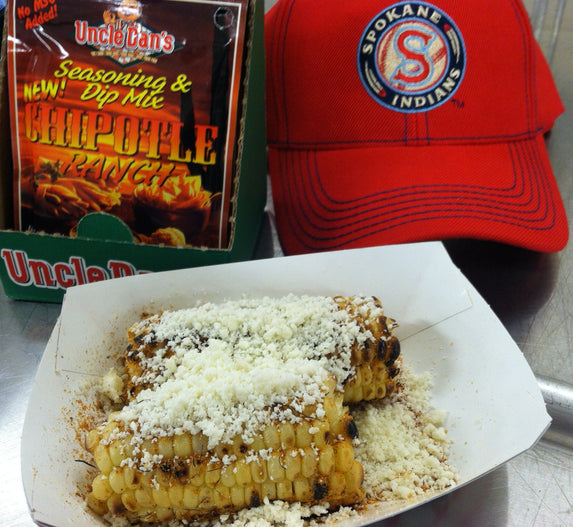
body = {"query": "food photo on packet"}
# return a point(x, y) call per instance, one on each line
point(296, 263)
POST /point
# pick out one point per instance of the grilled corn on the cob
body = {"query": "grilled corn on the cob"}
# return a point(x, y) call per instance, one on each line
point(291, 442)
point(308, 461)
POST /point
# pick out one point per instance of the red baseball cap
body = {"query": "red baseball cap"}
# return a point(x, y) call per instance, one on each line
point(394, 122)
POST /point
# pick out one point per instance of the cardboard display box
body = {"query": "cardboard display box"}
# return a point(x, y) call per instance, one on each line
point(40, 264)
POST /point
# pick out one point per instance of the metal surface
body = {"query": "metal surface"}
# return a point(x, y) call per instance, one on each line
point(559, 400)
point(531, 293)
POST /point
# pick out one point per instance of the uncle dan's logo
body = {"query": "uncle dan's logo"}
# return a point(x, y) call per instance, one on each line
point(411, 57)
point(122, 37)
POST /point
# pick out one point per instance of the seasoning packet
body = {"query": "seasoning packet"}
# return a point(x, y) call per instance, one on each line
point(129, 108)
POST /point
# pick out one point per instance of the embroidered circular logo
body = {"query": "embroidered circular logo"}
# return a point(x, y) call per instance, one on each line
point(411, 57)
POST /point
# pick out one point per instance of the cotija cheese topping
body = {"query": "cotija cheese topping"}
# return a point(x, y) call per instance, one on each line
point(228, 369)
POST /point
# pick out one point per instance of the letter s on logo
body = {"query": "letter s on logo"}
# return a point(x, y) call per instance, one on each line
point(413, 45)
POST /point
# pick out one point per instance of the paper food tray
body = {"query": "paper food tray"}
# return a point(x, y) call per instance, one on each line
point(481, 378)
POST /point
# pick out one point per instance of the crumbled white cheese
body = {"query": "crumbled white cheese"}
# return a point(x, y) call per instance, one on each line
point(273, 514)
point(403, 444)
point(112, 386)
point(227, 368)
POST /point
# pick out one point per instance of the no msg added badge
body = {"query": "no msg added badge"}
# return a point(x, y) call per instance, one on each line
point(411, 57)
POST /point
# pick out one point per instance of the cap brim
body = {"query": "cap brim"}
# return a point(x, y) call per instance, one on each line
point(335, 199)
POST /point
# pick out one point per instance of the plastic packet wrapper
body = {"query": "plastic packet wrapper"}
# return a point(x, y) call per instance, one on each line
point(130, 109)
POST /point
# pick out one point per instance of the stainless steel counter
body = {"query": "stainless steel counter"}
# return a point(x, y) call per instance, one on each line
point(531, 293)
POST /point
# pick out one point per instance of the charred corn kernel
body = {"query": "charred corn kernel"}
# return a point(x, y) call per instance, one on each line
point(380, 390)
point(292, 464)
point(302, 490)
point(164, 514)
point(114, 504)
point(238, 497)
point(320, 433)
point(197, 474)
point(258, 470)
point(212, 475)
point(129, 501)
point(243, 473)
point(101, 488)
point(275, 468)
point(191, 497)
point(257, 445)
point(326, 460)
point(284, 491)
point(355, 476)
point(149, 446)
point(132, 477)
point(309, 462)
point(176, 495)
point(116, 453)
point(206, 498)
point(343, 456)
point(92, 439)
point(117, 481)
point(182, 446)
point(144, 498)
point(252, 496)
point(221, 451)
point(102, 459)
point(303, 438)
point(222, 497)
point(161, 497)
point(97, 505)
point(331, 409)
point(287, 436)
point(162, 478)
point(238, 445)
point(271, 437)
point(199, 444)
point(269, 490)
point(336, 483)
point(368, 392)
point(228, 476)
point(165, 447)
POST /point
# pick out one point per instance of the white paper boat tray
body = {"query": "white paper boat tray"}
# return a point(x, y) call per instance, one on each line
point(481, 379)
